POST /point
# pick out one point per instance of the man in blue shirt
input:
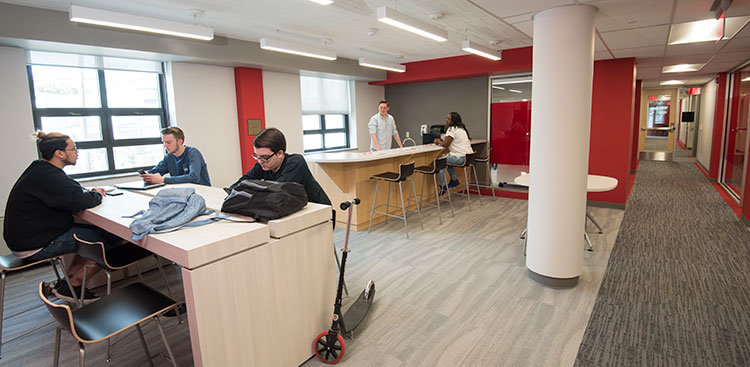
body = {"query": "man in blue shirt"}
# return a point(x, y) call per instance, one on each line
point(183, 163)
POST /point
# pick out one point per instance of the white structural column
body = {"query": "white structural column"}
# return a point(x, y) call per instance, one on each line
point(560, 128)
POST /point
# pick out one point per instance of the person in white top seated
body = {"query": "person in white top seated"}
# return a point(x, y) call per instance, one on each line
point(457, 141)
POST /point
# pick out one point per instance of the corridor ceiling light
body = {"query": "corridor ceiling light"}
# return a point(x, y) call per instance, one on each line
point(405, 22)
point(672, 82)
point(138, 23)
point(323, 2)
point(477, 49)
point(378, 64)
point(496, 87)
point(706, 30)
point(747, 79)
point(681, 68)
point(514, 91)
point(296, 49)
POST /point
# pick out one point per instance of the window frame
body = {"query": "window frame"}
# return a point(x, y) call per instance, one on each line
point(105, 114)
point(324, 130)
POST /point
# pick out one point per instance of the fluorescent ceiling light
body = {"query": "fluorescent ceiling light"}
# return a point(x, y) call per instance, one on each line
point(378, 64)
point(746, 79)
point(296, 49)
point(496, 87)
point(681, 68)
point(706, 30)
point(672, 82)
point(498, 82)
point(480, 50)
point(138, 23)
point(405, 22)
point(514, 91)
point(323, 2)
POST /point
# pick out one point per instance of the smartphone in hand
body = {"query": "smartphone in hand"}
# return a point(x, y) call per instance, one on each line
point(142, 172)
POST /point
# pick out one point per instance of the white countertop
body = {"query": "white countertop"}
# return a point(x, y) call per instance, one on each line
point(347, 157)
point(595, 183)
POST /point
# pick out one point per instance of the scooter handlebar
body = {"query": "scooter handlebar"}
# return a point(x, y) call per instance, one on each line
point(346, 204)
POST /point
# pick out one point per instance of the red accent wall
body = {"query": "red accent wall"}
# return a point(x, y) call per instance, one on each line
point(611, 142)
point(713, 165)
point(249, 88)
point(516, 60)
point(636, 125)
point(510, 128)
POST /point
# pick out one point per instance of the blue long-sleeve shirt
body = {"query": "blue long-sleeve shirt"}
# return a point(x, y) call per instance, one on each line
point(187, 168)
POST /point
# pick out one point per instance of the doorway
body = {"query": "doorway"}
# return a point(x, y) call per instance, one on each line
point(657, 124)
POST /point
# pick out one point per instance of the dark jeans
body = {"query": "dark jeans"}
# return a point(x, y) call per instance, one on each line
point(66, 244)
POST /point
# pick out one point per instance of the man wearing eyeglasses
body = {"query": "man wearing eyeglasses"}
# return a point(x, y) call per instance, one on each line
point(183, 163)
point(274, 164)
point(39, 222)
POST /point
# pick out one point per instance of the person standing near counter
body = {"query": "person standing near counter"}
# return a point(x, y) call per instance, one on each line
point(458, 143)
point(274, 164)
point(382, 126)
point(183, 163)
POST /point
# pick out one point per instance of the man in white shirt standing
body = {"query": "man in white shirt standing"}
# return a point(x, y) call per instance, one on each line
point(382, 126)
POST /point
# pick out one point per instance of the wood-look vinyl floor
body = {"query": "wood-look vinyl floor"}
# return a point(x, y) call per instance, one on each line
point(454, 294)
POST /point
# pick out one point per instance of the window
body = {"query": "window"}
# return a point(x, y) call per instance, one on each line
point(325, 113)
point(112, 108)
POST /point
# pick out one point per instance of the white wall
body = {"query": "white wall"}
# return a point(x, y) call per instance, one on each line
point(17, 124)
point(204, 104)
point(366, 98)
point(282, 105)
point(706, 123)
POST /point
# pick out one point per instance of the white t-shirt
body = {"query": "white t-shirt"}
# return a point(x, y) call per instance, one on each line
point(460, 145)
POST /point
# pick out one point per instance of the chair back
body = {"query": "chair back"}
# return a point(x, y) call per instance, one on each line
point(470, 158)
point(94, 251)
point(405, 170)
point(439, 164)
point(60, 312)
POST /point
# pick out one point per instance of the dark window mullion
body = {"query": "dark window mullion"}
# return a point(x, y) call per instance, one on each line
point(106, 121)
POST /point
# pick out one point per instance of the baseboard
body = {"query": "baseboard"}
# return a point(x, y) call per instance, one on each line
point(745, 220)
point(603, 204)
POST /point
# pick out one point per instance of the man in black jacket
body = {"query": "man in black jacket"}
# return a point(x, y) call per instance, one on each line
point(274, 164)
point(39, 214)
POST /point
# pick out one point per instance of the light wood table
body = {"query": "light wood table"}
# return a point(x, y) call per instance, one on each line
point(253, 298)
point(346, 175)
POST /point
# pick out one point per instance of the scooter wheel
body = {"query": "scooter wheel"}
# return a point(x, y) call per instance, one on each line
point(329, 351)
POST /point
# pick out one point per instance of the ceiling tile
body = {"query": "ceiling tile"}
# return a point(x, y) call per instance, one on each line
point(504, 9)
point(602, 55)
point(654, 52)
point(618, 14)
point(684, 49)
point(637, 37)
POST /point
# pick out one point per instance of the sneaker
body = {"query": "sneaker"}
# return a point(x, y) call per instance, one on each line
point(62, 291)
point(453, 183)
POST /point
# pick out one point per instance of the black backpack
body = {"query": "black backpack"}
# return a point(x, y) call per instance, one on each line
point(265, 200)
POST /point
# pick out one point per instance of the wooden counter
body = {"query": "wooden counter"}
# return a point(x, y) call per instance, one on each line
point(345, 175)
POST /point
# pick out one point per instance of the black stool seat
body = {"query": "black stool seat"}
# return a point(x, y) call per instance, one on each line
point(388, 176)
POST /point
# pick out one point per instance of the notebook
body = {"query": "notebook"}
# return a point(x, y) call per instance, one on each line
point(137, 185)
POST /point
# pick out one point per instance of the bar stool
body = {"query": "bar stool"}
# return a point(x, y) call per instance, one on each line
point(9, 263)
point(432, 170)
point(405, 172)
point(111, 315)
point(469, 163)
point(487, 184)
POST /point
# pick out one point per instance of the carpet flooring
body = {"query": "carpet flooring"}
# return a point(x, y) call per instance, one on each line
point(677, 287)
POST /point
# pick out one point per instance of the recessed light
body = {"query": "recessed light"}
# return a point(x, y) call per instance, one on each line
point(681, 68)
point(672, 82)
point(514, 91)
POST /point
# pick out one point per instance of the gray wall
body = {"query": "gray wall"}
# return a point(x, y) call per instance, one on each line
point(429, 103)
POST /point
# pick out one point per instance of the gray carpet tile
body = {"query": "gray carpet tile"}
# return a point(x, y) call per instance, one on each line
point(677, 287)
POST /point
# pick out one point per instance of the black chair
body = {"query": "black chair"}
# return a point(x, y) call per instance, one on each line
point(432, 170)
point(469, 163)
point(112, 314)
point(10, 263)
point(118, 258)
point(406, 170)
point(487, 184)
